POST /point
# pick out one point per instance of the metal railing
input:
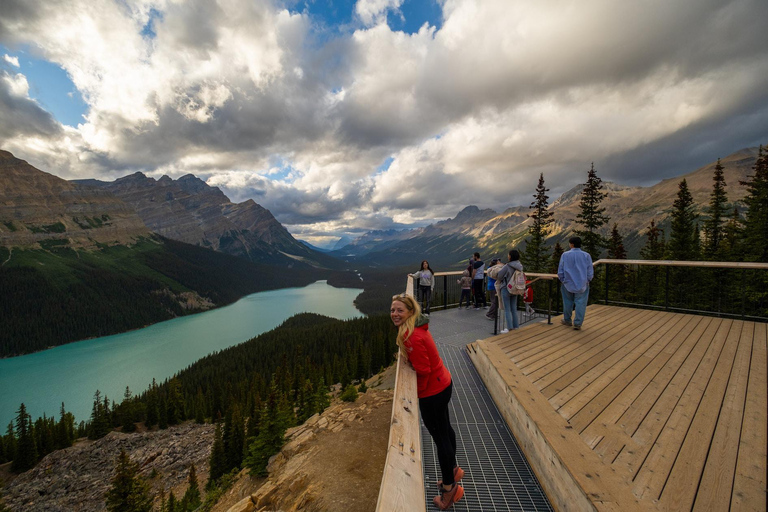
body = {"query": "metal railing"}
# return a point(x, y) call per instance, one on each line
point(727, 289)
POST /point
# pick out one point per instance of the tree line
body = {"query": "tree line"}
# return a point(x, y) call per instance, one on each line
point(252, 392)
point(722, 231)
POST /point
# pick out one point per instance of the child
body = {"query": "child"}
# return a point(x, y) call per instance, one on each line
point(466, 287)
point(528, 298)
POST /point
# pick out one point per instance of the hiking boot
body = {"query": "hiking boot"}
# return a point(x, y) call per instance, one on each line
point(564, 322)
point(458, 474)
point(447, 498)
point(576, 327)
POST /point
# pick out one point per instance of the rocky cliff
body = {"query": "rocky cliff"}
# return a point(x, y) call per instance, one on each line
point(190, 211)
point(37, 207)
point(78, 478)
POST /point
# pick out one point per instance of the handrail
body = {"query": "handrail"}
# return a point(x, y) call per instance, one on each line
point(402, 484)
point(672, 263)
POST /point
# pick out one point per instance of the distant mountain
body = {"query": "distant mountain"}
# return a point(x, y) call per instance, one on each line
point(37, 208)
point(191, 211)
point(77, 262)
point(450, 242)
point(314, 247)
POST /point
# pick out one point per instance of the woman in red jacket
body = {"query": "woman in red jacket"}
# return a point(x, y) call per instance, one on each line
point(434, 389)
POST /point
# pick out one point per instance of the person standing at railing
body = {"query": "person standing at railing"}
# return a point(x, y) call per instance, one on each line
point(509, 300)
point(478, 274)
point(435, 386)
point(466, 287)
point(493, 270)
point(575, 272)
point(426, 285)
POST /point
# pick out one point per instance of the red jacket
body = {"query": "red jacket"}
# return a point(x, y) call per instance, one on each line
point(431, 376)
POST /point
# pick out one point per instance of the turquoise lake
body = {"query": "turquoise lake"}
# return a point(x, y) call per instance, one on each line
point(72, 373)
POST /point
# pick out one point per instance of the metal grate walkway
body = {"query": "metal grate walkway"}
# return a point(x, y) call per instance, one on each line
point(498, 478)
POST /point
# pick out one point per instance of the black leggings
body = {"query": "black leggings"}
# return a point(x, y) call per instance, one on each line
point(434, 414)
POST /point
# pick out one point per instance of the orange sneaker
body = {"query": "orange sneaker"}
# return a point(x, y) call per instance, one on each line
point(447, 498)
point(458, 474)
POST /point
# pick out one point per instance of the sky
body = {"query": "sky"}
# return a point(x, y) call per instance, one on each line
point(344, 116)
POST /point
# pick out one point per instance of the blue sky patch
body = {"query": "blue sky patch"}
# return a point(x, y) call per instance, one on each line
point(51, 87)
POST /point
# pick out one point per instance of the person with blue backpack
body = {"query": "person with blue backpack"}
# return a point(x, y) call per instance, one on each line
point(507, 276)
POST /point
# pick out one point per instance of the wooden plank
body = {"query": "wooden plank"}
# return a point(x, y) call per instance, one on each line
point(749, 483)
point(696, 411)
point(657, 367)
point(574, 344)
point(666, 396)
point(618, 372)
point(602, 342)
point(602, 359)
point(402, 484)
point(573, 477)
point(714, 491)
point(527, 355)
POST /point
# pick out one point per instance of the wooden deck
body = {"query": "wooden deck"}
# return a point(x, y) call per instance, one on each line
point(640, 410)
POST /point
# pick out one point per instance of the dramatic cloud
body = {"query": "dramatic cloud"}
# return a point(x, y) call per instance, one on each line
point(372, 128)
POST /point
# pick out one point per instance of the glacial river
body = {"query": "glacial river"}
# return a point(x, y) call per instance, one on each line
point(72, 373)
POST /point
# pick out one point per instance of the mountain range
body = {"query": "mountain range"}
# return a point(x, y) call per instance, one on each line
point(450, 242)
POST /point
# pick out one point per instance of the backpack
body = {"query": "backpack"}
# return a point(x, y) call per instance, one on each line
point(516, 285)
point(493, 272)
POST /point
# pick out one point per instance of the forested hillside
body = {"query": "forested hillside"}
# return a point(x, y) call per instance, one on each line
point(59, 294)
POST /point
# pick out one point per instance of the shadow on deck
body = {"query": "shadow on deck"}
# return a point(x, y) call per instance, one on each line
point(640, 410)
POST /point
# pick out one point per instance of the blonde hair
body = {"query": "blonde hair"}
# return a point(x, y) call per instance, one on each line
point(406, 328)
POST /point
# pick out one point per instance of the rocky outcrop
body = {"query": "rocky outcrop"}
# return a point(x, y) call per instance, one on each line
point(78, 478)
point(191, 211)
point(38, 208)
point(333, 462)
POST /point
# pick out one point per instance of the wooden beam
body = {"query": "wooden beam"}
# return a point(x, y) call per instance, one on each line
point(402, 485)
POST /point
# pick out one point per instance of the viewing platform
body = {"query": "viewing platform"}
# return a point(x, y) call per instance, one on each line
point(660, 402)
point(640, 410)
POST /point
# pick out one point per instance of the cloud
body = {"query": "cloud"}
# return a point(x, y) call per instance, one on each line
point(375, 11)
point(13, 61)
point(251, 97)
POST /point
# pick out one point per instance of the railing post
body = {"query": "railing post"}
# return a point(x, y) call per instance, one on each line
point(743, 293)
point(549, 302)
point(666, 292)
point(445, 292)
point(606, 284)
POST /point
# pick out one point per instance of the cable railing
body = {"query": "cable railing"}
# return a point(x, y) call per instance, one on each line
point(726, 289)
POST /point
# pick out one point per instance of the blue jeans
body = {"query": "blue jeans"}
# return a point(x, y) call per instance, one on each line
point(510, 309)
point(577, 302)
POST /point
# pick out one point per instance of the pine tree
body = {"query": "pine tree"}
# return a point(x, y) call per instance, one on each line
point(11, 442)
point(536, 254)
point(271, 434)
point(191, 500)
point(714, 225)
point(153, 413)
point(557, 252)
point(616, 250)
point(756, 218)
point(233, 438)
point(99, 425)
point(26, 448)
point(682, 239)
point(218, 462)
point(175, 403)
point(173, 505)
point(732, 233)
point(127, 411)
point(654, 243)
point(65, 435)
point(129, 492)
point(592, 216)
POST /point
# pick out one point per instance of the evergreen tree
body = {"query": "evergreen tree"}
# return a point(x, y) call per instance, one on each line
point(271, 434)
point(616, 251)
point(218, 462)
point(756, 219)
point(714, 224)
point(173, 505)
point(682, 239)
point(191, 500)
point(592, 215)
point(732, 233)
point(10, 442)
point(26, 448)
point(175, 403)
point(234, 438)
point(99, 424)
point(199, 407)
point(557, 252)
point(126, 411)
point(162, 406)
point(153, 412)
point(536, 254)
point(129, 492)
point(654, 243)
point(65, 429)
